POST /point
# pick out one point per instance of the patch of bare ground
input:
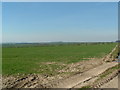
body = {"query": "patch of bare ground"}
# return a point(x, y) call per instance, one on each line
point(82, 65)
point(26, 81)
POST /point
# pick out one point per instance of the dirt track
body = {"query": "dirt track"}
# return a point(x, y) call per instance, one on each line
point(76, 80)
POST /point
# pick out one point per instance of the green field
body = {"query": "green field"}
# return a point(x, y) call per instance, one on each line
point(0, 58)
point(25, 60)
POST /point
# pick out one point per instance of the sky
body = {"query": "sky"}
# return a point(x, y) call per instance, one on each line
point(0, 22)
point(59, 21)
point(60, 0)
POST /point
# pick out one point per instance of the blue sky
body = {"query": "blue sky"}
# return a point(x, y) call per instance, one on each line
point(67, 21)
point(0, 22)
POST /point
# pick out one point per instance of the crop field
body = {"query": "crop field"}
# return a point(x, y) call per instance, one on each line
point(0, 58)
point(33, 59)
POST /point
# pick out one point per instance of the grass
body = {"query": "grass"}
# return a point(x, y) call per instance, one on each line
point(25, 60)
point(0, 59)
point(85, 87)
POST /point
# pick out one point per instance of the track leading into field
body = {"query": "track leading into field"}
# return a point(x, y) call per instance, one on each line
point(76, 80)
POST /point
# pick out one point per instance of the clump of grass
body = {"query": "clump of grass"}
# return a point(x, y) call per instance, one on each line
point(85, 88)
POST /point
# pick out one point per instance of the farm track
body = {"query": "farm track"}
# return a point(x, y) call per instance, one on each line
point(110, 81)
point(76, 80)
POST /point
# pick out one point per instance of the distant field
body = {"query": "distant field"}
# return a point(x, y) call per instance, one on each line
point(29, 59)
point(0, 58)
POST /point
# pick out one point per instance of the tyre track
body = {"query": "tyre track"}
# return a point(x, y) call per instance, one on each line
point(75, 80)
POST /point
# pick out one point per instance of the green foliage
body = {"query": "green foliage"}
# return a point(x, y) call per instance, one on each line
point(26, 60)
point(85, 88)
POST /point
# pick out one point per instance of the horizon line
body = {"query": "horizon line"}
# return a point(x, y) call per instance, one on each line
point(59, 0)
point(60, 42)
